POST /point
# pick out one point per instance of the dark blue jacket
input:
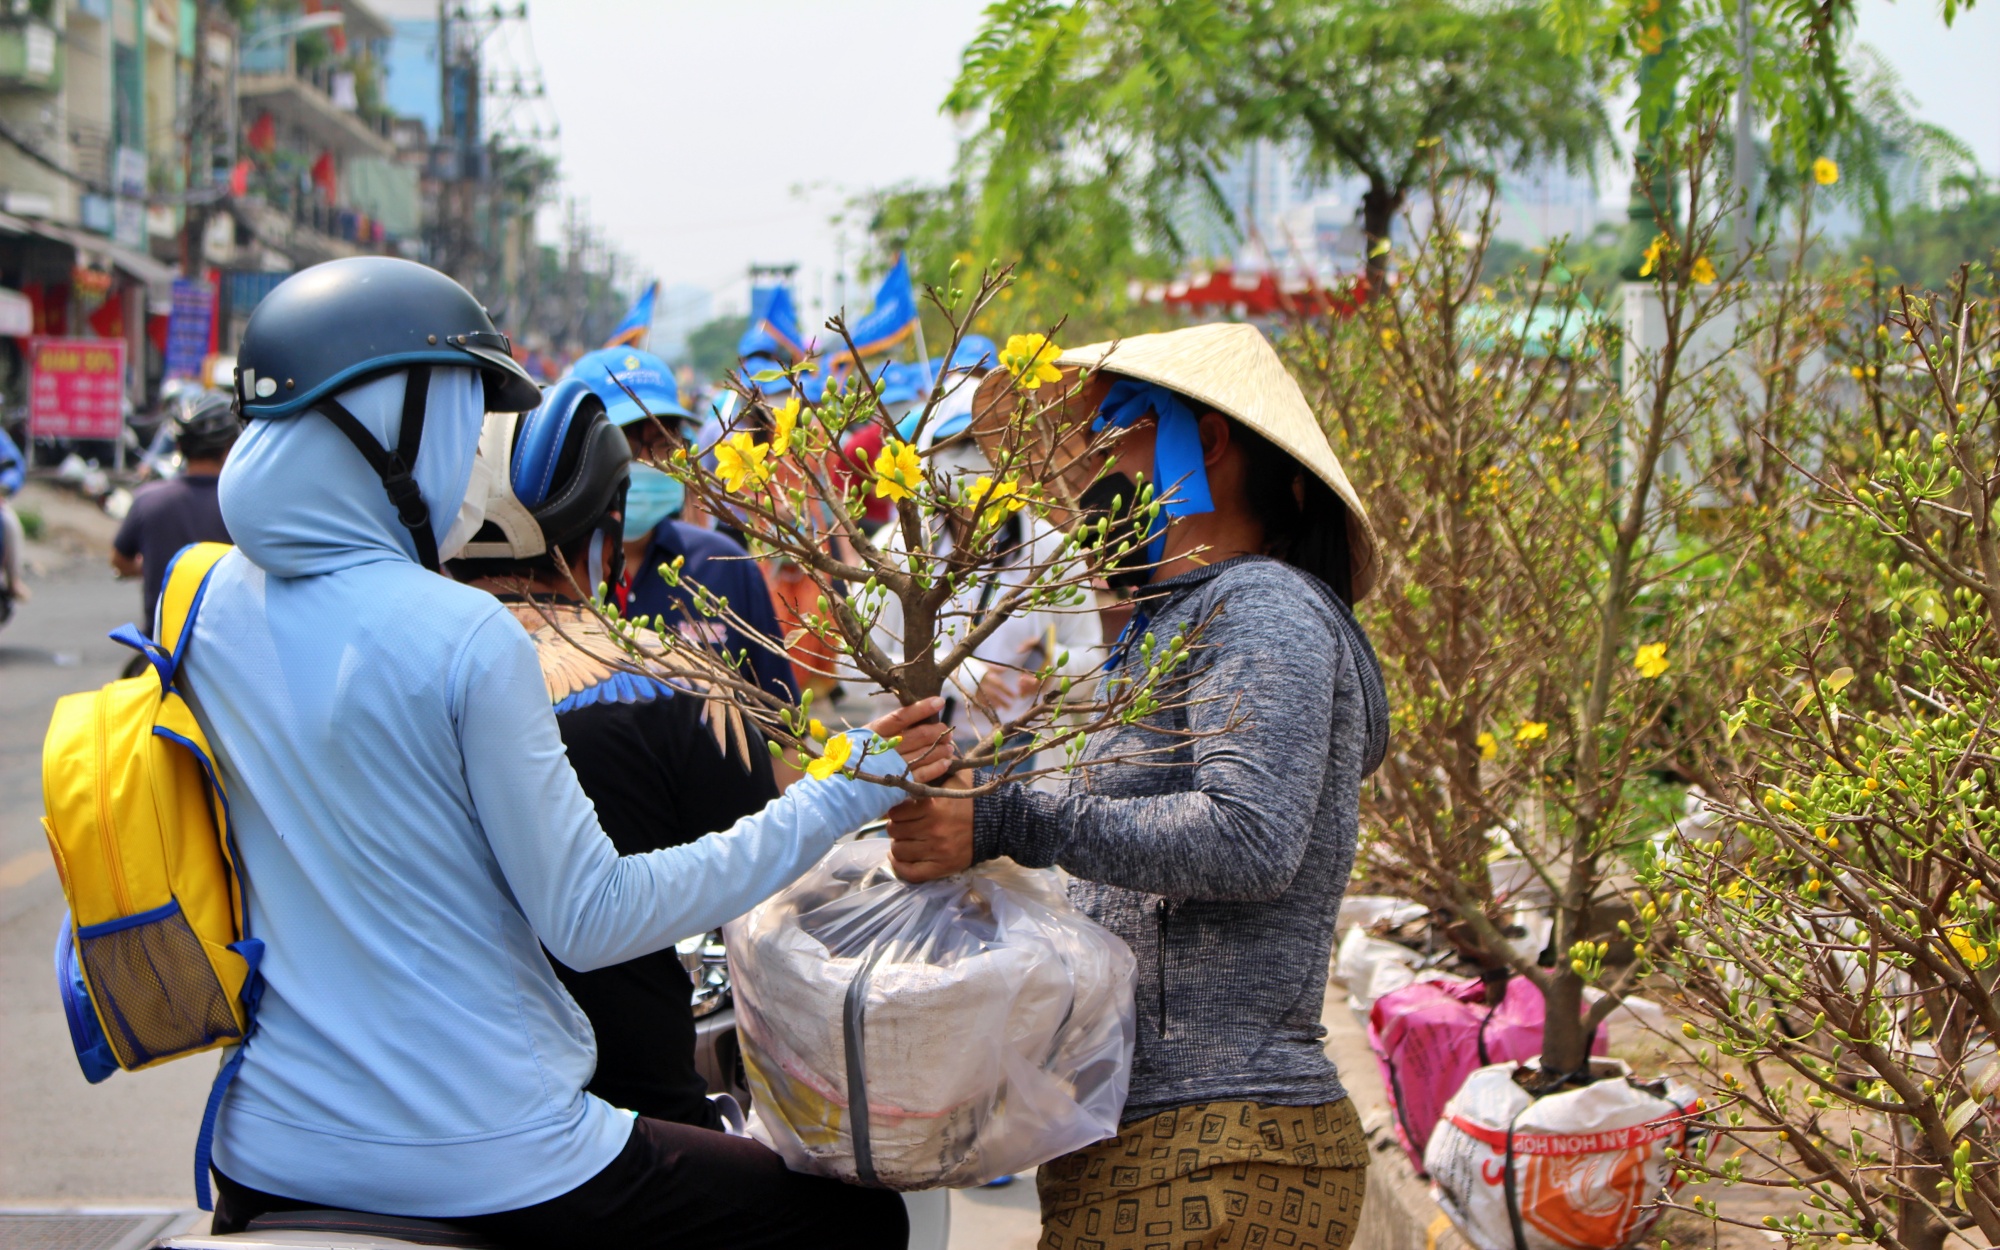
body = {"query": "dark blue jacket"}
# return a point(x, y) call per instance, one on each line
point(722, 566)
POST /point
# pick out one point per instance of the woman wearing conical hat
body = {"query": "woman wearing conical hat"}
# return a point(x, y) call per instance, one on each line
point(1220, 853)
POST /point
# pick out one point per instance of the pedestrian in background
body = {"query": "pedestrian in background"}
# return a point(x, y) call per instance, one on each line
point(169, 515)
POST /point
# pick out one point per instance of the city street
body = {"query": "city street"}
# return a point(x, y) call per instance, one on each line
point(126, 1144)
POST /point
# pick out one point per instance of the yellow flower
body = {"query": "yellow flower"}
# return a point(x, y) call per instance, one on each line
point(741, 461)
point(1653, 251)
point(1651, 40)
point(1031, 358)
point(783, 422)
point(1703, 272)
point(1489, 746)
point(1825, 172)
point(1973, 953)
point(898, 472)
point(1530, 731)
point(1651, 661)
point(832, 759)
point(817, 728)
point(1390, 338)
point(1007, 495)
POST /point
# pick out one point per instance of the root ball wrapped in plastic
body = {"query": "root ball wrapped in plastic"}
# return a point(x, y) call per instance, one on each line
point(916, 1036)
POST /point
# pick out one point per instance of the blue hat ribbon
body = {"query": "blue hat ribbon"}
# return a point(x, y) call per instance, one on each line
point(1177, 460)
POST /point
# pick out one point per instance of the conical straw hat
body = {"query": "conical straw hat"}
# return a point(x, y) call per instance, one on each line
point(1232, 368)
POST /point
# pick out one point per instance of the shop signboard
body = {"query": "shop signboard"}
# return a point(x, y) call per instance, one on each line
point(76, 387)
point(187, 327)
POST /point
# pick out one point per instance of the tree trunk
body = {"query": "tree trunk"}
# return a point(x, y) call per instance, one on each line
point(1379, 206)
point(1565, 1049)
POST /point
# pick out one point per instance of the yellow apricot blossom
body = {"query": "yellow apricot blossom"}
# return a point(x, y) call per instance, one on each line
point(1702, 271)
point(1489, 746)
point(1530, 731)
point(1651, 661)
point(1825, 172)
point(898, 471)
point(1653, 251)
point(740, 461)
point(832, 759)
point(984, 493)
point(1032, 359)
point(784, 420)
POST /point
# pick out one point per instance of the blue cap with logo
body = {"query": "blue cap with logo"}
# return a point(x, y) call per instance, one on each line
point(618, 374)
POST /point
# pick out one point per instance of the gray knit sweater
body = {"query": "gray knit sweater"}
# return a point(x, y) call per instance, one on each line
point(1222, 860)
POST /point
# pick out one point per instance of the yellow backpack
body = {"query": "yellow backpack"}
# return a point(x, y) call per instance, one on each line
point(154, 961)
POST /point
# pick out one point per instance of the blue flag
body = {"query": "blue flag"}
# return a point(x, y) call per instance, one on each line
point(638, 323)
point(774, 326)
point(894, 315)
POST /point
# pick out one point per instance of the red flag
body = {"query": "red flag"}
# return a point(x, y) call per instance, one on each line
point(239, 179)
point(263, 134)
point(324, 176)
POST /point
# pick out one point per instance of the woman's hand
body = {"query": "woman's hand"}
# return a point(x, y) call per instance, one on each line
point(926, 742)
point(932, 838)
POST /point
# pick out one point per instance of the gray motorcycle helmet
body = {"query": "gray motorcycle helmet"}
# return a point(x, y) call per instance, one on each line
point(205, 423)
point(338, 324)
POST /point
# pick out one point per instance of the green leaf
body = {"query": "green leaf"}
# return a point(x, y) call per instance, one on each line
point(1960, 1117)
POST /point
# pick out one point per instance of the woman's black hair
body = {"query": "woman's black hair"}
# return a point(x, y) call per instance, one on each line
point(1305, 523)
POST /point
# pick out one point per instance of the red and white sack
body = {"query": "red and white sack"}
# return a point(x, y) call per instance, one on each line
point(1429, 1037)
point(1579, 1170)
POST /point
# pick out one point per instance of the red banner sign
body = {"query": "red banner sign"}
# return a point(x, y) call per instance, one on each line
point(77, 388)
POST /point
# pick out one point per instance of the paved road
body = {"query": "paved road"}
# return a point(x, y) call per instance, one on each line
point(63, 1140)
point(129, 1142)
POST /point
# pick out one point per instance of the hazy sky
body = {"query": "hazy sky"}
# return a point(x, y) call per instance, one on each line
point(705, 136)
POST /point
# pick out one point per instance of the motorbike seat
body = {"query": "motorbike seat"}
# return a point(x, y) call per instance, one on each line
point(361, 1224)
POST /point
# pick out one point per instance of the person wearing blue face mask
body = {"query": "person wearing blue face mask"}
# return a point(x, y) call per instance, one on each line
point(641, 398)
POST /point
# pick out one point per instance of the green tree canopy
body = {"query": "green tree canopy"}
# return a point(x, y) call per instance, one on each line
point(1140, 102)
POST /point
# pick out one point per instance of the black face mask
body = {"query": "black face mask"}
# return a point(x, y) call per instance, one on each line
point(1129, 571)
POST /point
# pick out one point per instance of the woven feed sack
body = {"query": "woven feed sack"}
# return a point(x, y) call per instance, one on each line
point(1582, 1169)
point(988, 1023)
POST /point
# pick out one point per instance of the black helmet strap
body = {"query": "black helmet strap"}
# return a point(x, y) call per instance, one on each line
point(397, 470)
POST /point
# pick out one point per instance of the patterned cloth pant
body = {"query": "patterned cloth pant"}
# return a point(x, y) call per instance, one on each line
point(1239, 1175)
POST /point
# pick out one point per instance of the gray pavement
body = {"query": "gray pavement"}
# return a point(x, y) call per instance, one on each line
point(128, 1143)
point(63, 1141)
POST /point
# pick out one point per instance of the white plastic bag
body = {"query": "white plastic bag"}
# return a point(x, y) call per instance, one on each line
point(985, 1023)
point(1581, 1168)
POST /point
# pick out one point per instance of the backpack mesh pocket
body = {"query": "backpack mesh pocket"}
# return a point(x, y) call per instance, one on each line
point(154, 986)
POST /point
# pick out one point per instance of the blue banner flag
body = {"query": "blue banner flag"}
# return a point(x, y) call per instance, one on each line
point(894, 316)
point(774, 326)
point(638, 323)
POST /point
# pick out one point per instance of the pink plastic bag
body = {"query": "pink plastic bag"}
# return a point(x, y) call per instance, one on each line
point(1430, 1036)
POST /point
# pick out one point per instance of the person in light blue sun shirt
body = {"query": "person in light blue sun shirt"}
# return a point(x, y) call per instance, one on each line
point(410, 830)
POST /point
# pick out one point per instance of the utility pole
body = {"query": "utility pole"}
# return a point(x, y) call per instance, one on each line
point(1746, 148)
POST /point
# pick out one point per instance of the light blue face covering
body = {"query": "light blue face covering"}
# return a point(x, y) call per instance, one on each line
point(1178, 470)
point(652, 497)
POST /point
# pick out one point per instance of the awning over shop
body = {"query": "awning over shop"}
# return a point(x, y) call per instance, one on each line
point(159, 278)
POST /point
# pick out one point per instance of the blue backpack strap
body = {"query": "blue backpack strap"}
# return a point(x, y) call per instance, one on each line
point(252, 951)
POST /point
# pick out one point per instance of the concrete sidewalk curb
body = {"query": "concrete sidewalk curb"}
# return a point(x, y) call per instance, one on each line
point(1398, 1213)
